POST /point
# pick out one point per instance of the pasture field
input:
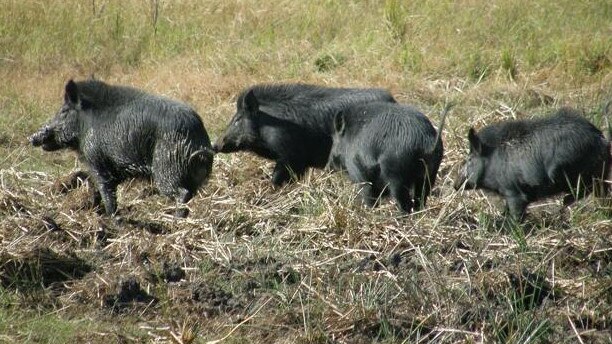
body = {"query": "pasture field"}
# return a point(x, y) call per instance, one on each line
point(305, 263)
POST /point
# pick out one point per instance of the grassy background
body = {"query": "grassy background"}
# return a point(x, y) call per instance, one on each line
point(304, 263)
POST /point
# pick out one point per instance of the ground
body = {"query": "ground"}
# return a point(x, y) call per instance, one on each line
point(305, 263)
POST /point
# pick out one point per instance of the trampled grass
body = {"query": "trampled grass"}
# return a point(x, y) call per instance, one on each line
point(305, 263)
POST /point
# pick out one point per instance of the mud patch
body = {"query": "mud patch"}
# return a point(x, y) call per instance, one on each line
point(170, 271)
point(130, 295)
point(5, 141)
point(211, 301)
point(40, 268)
point(267, 272)
point(398, 262)
point(149, 226)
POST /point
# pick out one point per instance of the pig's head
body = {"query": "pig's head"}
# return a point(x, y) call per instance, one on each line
point(242, 132)
point(62, 130)
point(472, 172)
point(339, 148)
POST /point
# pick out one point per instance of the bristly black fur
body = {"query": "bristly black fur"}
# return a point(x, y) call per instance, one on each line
point(291, 124)
point(121, 132)
point(527, 160)
point(392, 148)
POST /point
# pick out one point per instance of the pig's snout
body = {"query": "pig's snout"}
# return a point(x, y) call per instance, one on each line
point(39, 137)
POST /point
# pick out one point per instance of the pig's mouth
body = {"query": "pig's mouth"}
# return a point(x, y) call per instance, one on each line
point(334, 163)
point(44, 138)
point(225, 147)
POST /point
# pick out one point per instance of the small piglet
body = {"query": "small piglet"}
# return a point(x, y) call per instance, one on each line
point(527, 160)
point(389, 147)
point(121, 132)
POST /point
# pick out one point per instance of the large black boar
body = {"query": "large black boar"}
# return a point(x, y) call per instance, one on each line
point(291, 124)
point(389, 147)
point(527, 160)
point(121, 132)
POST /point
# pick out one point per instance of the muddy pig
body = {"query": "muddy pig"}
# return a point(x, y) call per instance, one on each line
point(391, 148)
point(291, 124)
point(527, 160)
point(121, 132)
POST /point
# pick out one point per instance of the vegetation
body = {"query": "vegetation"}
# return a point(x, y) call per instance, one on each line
point(305, 263)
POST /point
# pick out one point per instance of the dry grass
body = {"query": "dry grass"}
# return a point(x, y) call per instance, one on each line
point(305, 263)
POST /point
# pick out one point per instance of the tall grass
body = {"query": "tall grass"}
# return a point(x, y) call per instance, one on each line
point(571, 37)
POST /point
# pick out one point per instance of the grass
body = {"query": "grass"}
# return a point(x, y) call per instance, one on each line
point(304, 263)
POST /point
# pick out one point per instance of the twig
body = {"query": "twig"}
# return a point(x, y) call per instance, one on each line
point(240, 324)
point(574, 329)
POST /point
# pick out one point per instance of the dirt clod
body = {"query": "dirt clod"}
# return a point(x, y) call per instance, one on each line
point(130, 293)
point(214, 300)
point(70, 182)
point(172, 272)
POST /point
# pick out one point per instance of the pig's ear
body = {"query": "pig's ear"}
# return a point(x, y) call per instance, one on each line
point(250, 103)
point(340, 123)
point(475, 143)
point(71, 95)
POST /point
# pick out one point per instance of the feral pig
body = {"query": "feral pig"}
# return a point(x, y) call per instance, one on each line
point(291, 124)
point(121, 132)
point(527, 160)
point(391, 148)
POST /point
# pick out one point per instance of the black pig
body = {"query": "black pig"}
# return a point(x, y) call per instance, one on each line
point(391, 148)
point(291, 124)
point(121, 132)
point(527, 160)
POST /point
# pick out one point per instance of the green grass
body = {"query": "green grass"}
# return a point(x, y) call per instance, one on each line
point(19, 323)
point(304, 263)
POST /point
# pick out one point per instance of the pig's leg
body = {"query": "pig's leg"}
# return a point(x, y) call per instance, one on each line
point(398, 182)
point(401, 194)
point(369, 194)
point(107, 189)
point(422, 188)
point(183, 197)
point(285, 171)
point(362, 170)
point(516, 205)
point(400, 191)
point(280, 175)
point(170, 185)
point(96, 199)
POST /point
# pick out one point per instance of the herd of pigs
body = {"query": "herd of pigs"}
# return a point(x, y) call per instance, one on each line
point(392, 149)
